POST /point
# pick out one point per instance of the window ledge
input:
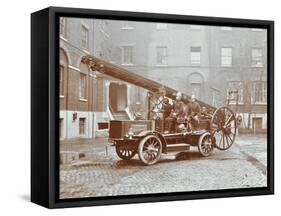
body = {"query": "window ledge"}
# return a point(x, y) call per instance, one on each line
point(83, 99)
point(163, 65)
point(63, 38)
point(127, 28)
point(257, 66)
point(259, 103)
point(127, 64)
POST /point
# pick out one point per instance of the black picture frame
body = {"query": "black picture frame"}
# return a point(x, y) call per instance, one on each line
point(45, 106)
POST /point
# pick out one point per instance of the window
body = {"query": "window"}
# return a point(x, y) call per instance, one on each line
point(235, 92)
point(61, 127)
point(215, 98)
point(63, 27)
point(82, 86)
point(257, 123)
point(235, 95)
point(257, 57)
point(127, 55)
point(226, 56)
point(85, 37)
point(161, 26)
point(127, 26)
point(259, 92)
point(82, 126)
point(195, 55)
point(161, 53)
point(61, 79)
point(226, 28)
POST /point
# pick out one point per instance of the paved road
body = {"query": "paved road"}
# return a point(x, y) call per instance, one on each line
point(104, 174)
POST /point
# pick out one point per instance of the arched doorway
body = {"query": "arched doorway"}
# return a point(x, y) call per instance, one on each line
point(196, 84)
point(118, 96)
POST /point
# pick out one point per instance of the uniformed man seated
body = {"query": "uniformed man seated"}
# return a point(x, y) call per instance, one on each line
point(194, 111)
point(179, 113)
point(205, 114)
point(161, 109)
point(168, 119)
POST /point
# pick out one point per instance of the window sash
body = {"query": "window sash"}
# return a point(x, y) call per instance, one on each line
point(82, 86)
point(127, 54)
point(85, 37)
point(62, 26)
point(257, 57)
point(61, 80)
point(259, 92)
point(226, 56)
point(240, 95)
point(161, 56)
point(195, 55)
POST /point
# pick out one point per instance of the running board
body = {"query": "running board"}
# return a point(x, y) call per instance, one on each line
point(177, 147)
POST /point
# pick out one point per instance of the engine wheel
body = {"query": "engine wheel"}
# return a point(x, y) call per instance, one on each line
point(205, 145)
point(150, 149)
point(124, 152)
point(224, 128)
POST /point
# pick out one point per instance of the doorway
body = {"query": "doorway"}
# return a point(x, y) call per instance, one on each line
point(117, 96)
point(257, 123)
point(196, 90)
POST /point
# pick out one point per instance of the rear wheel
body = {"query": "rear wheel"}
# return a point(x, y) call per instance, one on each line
point(224, 128)
point(124, 151)
point(205, 145)
point(150, 149)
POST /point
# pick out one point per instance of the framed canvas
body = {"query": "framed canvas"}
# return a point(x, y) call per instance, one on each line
point(138, 107)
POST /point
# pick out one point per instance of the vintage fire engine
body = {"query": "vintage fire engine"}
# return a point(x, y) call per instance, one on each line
point(148, 140)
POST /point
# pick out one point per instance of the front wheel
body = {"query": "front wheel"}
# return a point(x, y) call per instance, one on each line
point(150, 149)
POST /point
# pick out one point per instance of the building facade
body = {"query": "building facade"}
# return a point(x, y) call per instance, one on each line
point(209, 62)
point(238, 57)
point(76, 80)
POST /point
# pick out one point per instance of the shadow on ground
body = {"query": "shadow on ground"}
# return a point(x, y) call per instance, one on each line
point(25, 197)
point(178, 157)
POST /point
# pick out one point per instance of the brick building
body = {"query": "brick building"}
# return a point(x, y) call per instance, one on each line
point(206, 61)
point(238, 56)
point(76, 79)
point(201, 60)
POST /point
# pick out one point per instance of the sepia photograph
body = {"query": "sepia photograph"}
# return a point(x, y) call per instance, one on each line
point(154, 107)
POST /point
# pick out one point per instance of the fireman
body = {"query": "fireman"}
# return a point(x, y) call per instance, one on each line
point(194, 111)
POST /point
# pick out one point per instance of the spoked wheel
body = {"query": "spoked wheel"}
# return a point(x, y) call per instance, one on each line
point(124, 151)
point(205, 144)
point(150, 149)
point(224, 127)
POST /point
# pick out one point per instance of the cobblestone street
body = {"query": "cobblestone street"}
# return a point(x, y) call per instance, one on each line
point(100, 172)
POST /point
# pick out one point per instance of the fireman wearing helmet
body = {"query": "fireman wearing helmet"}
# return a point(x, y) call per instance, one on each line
point(194, 110)
point(179, 112)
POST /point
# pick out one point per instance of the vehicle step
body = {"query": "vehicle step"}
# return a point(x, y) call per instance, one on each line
point(177, 147)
